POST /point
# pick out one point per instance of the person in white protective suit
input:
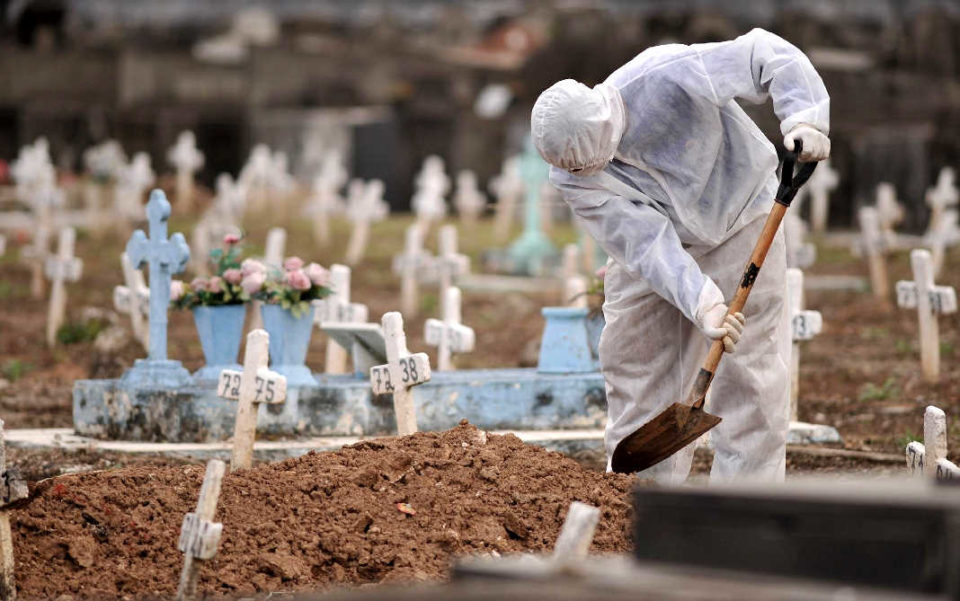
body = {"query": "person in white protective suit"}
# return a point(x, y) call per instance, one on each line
point(671, 177)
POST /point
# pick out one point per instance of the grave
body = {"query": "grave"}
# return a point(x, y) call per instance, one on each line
point(468, 198)
point(930, 301)
point(410, 266)
point(337, 309)
point(823, 181)
point(133, 299)
point(432, 184)
point(199, 534)
point(365, 205)
point(449, 335)
point(187, 160)
point(60, 269)
point(929, 458)
point(508, 188)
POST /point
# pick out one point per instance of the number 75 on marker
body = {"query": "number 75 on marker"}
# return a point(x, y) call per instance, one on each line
point(408, 371)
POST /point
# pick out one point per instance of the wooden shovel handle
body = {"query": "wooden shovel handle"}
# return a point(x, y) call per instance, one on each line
point(788, 189)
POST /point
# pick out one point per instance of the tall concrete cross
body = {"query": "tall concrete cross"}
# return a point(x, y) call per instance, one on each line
point(166, 257)
point(530, 253)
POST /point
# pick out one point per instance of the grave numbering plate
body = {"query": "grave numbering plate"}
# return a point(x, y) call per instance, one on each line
point(414, 369)
point(943, 299)
point(270, 389)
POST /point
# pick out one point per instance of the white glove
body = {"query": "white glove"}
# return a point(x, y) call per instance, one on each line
point(816, 146)
point(720, 326)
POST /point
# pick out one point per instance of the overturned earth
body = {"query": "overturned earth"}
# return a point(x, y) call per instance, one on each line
point(321, 520)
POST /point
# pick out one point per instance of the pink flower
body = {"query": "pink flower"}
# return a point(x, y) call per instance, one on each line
point(602, 272)
point(253, 282)
point(233, 276)
point(231, 239)
point(292, 263)
point(317, 274)
point(215, 285)
point(250, 266)
point(177, 290)
point(199, 284)
point(298, 280)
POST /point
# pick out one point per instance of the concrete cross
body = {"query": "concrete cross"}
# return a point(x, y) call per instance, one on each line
point(449, 265)
point(432, 185)
point(531, 252)
point(363, 209)
point(889, 211)
point(508, 188)
point(188, 160)
point(402, 372)
point(275, 246)
point(576, 535)
point(133, 180)
point(255, 175)
point(804, 325)
point(800, 254)
point(326, 200)
point(231, 200)
point(873, 247)
point(133, 299)
point(337, 308)
point(61, 268)
point(199, 534)
point(12, 488)
point(44, 201)
point(448, 334)
point(942, 197)
point(410, 266)
point(945, 232)
point(166, 257)
point(468, 198)
point(929, 458)
point(823, 181)
point(929, 300)
point(254, 385)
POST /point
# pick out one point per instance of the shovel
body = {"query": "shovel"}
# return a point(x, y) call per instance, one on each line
point(682, 423)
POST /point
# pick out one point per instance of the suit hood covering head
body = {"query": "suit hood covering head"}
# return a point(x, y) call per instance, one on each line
point(578, 128)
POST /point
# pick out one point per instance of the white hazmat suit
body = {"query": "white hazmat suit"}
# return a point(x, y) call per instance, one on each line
point(672, 178)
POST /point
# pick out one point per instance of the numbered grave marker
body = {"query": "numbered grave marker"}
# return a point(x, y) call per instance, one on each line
point(325, 200)
point(448, 266)
point(929, 458)
point(187, 160)
point(199, 534)
point(365, 205)
point(432, 185)
point(823, 181)
point(402, 372)
point(468, 198)
point(254, 385)
point(804, 325)
point(62, 268)
point(942, 197)
point(449, 335)
point(334, 309)
point(889, 212)
point(930, 301)
point(872, 246)
point(410, 266)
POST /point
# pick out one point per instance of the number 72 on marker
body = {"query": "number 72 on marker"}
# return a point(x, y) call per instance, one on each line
point(270, 387)
point(408, 371)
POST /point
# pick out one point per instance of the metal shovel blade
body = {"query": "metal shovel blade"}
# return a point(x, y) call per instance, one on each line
point(661, 437)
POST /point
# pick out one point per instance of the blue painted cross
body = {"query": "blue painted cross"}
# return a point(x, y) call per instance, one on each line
point(533, 249)
point(165, 258)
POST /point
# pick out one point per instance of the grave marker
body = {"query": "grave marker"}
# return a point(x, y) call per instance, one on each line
point(889, 212)
point(133, 180)
point(873, 248)
point(804, 325)
point(409, 266)
point(575, 292)
point(576, 535)
point(42, 203)
point(823, 181)
point(469, 200)
point(800, 254)
point(929, 458)
point(363, 209)
point(448, 334)
point(530, 253)
point(166, 257)
point(12, 488)
point(929, 300)
point(133, 298)
point(942, 197)
point(274, 248)
point(508, 188)
point(188, 160)
point(199, 534)
point(326, 200)
point(402, 372)
point(432, 185)
point(335, 309)
point(942, 234)
point(61, 268)
point(254, 385)
point(448, 266)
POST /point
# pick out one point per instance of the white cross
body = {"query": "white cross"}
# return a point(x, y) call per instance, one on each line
point(199, 534)
point(449, 335)
point(508, 187)
point(410, 266)
point(929, 458)
point(337, 308)
point(255, 175)
point(944, 232)
point(575, 292)
point(133, 180)
point(254, 385)
point(326, 200)
point(274, 248)
point(799, 253)
point(432, 185)
point(468, 198)
point(929, 300)
point(942, 197)
point(61, 268)
point(365, 206)
point(871, 244)
point(104, 160)
point(823, 181)
point(889, 211)
point(44, 201)
point(133, 298)
point(231, 199)
point(804, 325)
point(188, 160)
point(402, 372)
point(448, 266)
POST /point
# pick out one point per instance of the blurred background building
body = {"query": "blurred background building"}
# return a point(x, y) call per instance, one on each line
point(390, 82)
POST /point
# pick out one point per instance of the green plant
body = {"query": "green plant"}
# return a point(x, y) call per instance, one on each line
point(14, 369)
point(872, 392)
point(84, 331)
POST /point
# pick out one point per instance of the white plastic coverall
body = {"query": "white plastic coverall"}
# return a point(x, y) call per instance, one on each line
point(684, 198)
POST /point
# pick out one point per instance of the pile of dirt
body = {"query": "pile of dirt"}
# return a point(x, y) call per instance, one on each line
point(319, 520)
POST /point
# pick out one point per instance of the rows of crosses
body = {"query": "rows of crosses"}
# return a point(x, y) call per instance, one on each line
point(929, 458)
point(415, 265)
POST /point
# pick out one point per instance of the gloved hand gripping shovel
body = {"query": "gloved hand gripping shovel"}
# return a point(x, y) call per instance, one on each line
point(682, 423)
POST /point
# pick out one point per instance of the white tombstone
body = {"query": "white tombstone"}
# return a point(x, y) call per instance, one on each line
point(61, 268)
point(432, 185)
point(365, 206)
point(449, 335)
point(254, 385)
point(930, 301)
point(199, 534)
point(874, 248)
point(942, 197)
point(800, 254)
point(804, 325)
point(468, 198)
point(325, 200)
point(133, 181)
point(335, 309)
point(889, 212)
point(133, 299)
point(275, 246)
point(823, 181)
point(508, 187)
point(402, 372)
point(187, 160)
point(409, 265)
point(929, 458)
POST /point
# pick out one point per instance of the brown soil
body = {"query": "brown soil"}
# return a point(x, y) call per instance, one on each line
point(309, 523)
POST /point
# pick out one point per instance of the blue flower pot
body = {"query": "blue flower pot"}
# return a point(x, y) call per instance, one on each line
point(221, 330)
point(289, 341)
point(566, 344)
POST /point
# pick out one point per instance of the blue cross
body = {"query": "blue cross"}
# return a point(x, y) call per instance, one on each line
point(165, 258)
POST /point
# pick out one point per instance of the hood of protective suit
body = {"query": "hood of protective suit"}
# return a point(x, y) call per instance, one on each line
point(577, 128)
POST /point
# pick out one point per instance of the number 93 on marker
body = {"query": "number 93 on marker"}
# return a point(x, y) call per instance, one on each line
point(406, 372)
